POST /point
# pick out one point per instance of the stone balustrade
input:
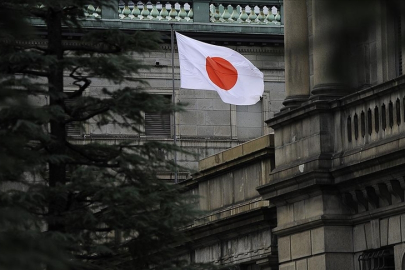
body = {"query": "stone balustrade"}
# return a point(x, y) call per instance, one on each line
point(156, 11)
point(254, 14)
point(182, 11)
point(91, 11)
point(373, 115)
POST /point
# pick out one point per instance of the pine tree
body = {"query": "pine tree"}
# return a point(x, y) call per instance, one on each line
point(65, 205)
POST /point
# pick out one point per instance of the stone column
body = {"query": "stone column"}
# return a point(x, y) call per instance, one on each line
point(330, 54)
point(296, 52)
point(110, 12)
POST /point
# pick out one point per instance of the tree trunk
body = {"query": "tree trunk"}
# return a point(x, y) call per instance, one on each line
point(57, 169)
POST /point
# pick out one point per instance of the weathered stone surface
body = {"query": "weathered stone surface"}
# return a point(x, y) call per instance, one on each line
point(403, 227)
point(287, 266)
point(384, 231)
point(394, 230)
point(318, 240)
point(359, 238)
point(338, 261)
point(317, 262)
point(338, 239)
point(284, 249)
point(285, 214)
point(301, 265)
point(300, 245)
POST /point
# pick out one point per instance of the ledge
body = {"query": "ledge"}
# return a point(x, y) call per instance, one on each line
point(262, 146)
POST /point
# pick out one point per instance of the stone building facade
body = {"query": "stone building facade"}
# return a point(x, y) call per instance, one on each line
point(335, 194)
point(207, 126)
point(338, 182)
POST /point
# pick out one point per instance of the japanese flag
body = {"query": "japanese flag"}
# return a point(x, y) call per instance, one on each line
point(208, 67)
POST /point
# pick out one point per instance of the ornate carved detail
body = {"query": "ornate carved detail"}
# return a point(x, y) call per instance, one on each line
point(375, 196)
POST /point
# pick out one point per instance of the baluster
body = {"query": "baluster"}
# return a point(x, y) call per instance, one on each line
point(159, 7)
point(154, 14)
point(243, 15)
point(226, 15)
point(98, 12)
point(144, 13)
point(217, 15)
point(126, 12)
point(120, 8)
point(164, 13)
point(190, 15)
point(187, 8)
point(182, 14)
point(235, 14)
point(252, 16)
point(149, 6)
point(131, 6)
point(261, 17)
point(135, 12)
point(90, 10)
point(212, 12)
point(177, 7)
point(271, 16)
point(172, 13)
point(278, 17)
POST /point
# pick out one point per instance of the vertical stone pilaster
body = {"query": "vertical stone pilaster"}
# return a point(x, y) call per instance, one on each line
point(296, 52)
point(201, 10)
point(110, 12)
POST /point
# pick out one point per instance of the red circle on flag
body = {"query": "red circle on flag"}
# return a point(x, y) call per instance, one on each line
point(221, 72)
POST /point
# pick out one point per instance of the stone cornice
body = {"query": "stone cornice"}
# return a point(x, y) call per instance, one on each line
point(338, 220)
point(230, 159)
point(297, 187)
point(316, 106)
point(236, 225)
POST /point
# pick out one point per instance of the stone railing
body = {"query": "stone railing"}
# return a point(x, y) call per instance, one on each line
point(255, 14)
point(91, 11)
point(156, 11)
point(373, 115)
point(182, 11)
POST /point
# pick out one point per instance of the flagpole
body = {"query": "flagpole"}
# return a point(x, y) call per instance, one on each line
point(174, 103)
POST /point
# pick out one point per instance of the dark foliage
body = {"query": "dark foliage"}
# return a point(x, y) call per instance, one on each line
point(65, 205)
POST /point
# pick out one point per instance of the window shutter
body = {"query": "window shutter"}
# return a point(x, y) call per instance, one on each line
point(72, 128)
point(157, 124)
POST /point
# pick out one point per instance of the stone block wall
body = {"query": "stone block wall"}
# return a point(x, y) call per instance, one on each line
point(208, 125)
point(236, 229)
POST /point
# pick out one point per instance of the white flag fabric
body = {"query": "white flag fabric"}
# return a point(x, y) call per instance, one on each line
point(208, 67)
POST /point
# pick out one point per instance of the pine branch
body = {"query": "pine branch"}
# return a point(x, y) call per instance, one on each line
point(98, 164)
point(34, 73)
point(87, 117)
point(87, 156)
point(93, 49)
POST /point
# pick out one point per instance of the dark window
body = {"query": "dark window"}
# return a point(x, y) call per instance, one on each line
point(369, 122)
point(377, 259)
point(72, 128)
point(403, 107)
point(363, 124)
point(398, 111)
point(391, 114)
point(158, 124)
point(383, 117)
point(376, 119)
point(356, 126)
point(349, 128)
